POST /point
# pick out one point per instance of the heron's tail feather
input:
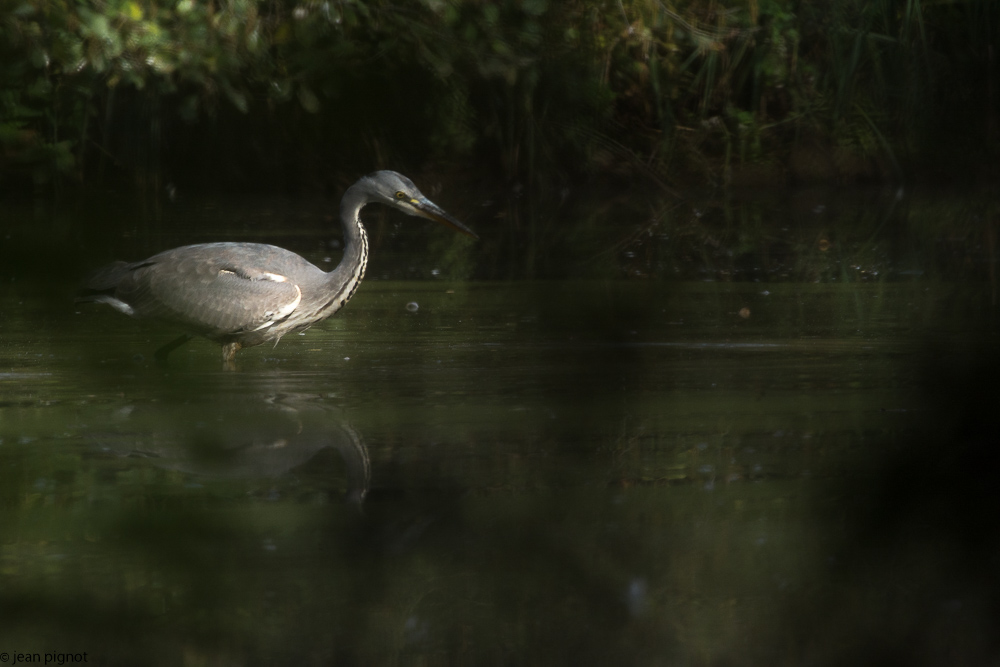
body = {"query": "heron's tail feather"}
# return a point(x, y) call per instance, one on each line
point(103, 282)
point(101, 286)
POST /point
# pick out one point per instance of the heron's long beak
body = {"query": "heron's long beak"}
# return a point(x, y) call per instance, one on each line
point(428, 209)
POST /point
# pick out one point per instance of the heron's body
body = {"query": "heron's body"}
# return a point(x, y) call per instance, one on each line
point(245, 294)
point(249, 301)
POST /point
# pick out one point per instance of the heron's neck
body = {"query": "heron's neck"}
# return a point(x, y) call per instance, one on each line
point(348, 274)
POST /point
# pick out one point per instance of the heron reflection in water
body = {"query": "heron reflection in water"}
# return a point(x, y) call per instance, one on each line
point(246, 294)
point(243, 437)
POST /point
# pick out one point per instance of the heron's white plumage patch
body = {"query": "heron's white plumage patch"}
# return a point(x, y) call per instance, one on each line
point(117, 304)
point(284, 311)
point(278, 278)
point(359, 270)
point(287, 309)
point(252, 275)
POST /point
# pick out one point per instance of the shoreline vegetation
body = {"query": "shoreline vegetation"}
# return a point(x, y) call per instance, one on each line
point(243, 95)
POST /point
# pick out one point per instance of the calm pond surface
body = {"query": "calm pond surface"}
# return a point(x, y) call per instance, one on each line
point(740, 434)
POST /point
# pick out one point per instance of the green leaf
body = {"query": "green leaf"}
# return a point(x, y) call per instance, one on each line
point(237, 97)
point(189, 108)
point(62, 156)
point(10, 131)
point(308, 99)
point(535, 7)
point(133, 11)
point(39, 58)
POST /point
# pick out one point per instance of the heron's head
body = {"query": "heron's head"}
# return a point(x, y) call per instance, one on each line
point(394, 189)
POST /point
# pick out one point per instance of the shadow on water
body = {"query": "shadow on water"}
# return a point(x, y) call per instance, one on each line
point(908, 574)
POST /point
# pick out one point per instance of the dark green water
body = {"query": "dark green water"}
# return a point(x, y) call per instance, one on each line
point(662, 467)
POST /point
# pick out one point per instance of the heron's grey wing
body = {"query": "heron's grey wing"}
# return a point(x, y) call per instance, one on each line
point(208, 292)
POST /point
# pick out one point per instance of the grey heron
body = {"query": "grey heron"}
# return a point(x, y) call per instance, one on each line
point(246, 294)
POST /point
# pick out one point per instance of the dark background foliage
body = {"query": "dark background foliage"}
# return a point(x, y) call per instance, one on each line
point(242, 94)
point(238, 95)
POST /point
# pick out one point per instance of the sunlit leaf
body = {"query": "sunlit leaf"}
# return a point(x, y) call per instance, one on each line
point(238, 98)
point(281, 89)
point(308, 100)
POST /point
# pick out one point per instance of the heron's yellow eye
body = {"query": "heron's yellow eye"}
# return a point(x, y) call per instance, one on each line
point(400, 195)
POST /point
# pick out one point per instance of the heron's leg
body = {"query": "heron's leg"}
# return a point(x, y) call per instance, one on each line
point(161, 354)
point(229, 351)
